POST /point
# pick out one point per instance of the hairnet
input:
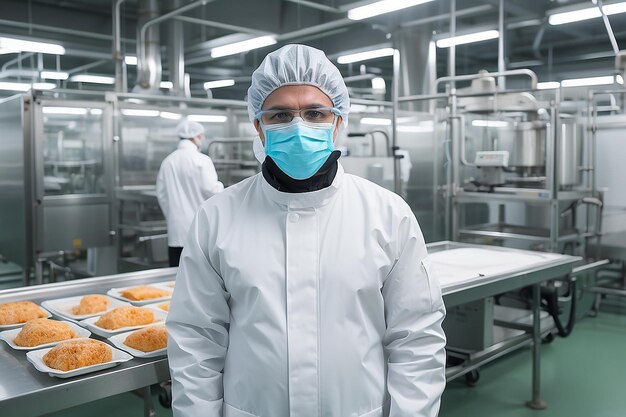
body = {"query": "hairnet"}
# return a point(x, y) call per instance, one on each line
point(188, 129)
point(296, 65)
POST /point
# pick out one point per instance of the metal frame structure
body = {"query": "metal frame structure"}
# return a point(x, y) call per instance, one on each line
point(34, 393)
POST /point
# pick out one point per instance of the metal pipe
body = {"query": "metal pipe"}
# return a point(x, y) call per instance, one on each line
point(87, 66)
point(529, 73)
point(176, 54)
point(317, 6)
point(211, 23)
point(465, 12)
point(317, 29)
point(120, 85)
point(64, 31)
point(20, 57)
point(395, 82)
point(501, 64)
point(452, 49)
point(371, 102)
point(207, 102)
point(609, 29)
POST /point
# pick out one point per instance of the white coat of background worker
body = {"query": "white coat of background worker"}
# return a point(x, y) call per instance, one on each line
point(304, 291)
point(186, 178)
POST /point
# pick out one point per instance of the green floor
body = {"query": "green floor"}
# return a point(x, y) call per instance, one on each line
point(582, 376)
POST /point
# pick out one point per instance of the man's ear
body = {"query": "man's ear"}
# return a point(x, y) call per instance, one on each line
point(257, 126)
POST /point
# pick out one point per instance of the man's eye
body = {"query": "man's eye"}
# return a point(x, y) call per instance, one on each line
point(282, 116)
point(314, 114)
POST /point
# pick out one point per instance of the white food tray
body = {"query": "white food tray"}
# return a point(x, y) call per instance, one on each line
point(90, 323)
point(14, 326)
point(36, 358)
point(116, 293)
point(118, 341)
point(62, 307)
point(9, 336)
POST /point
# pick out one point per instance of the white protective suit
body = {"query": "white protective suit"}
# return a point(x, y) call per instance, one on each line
point(186, 178)
point(317, 304)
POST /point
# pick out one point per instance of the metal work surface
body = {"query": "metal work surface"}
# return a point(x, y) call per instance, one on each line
point(27, 392)
point(33, 393)
point(554, 266)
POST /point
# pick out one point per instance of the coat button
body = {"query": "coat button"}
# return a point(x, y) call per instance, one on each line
point(293, 217)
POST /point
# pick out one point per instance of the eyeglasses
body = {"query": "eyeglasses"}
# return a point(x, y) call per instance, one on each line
point(312, 115)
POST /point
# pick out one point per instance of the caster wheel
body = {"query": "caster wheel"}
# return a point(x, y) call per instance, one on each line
point(548, 339)
point(165, 396)
point(472, 377)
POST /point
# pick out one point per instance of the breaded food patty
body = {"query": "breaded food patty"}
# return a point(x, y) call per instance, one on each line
point(164, 306)
point(41, 331)
point(125, 317)
point(20, 312)
point(91, 304)
point(148, 339)
point(78, 354)
point(144, 292)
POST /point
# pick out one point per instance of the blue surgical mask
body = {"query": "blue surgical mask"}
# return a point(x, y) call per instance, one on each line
point(299, 148)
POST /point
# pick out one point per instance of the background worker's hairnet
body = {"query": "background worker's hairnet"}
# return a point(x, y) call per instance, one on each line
point(297, 65)
point(188, 129)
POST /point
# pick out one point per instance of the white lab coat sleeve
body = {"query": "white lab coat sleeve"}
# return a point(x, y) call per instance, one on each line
point(414, 340)
point(210, 184)
point(161, 191)
point(197, 326)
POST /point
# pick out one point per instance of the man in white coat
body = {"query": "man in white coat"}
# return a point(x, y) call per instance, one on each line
point(304, 291)
point(186, 178)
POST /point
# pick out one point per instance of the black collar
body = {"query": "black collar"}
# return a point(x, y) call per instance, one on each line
point(282, 182)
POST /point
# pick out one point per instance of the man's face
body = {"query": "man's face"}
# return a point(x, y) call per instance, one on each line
point(295, 97)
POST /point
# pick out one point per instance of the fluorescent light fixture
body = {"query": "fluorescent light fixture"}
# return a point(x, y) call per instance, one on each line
point(469, 38)
point(206, 118)
point(242, 46)
point(489, 123)
point(7, 51)
point(585, 82)
point(382, 7)
point(140, 112)
point(54, 75)
point(166, 84)
point(378, 83)
point(375, 121)
point(363, 56)
point(130, 60)
point(548, 85)
point(64, 110)
point(95, 79)
point(19, 45)
point(11, 86)
point(170, 116)
point(218, 83)
point(414, 129)
point(586, 14)
point(95, 112)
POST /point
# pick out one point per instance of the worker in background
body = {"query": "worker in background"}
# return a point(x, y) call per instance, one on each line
point(186, 178)
point(304, 291)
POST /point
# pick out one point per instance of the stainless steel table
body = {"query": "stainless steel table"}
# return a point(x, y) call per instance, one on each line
point(27, 392)
point(556, 266)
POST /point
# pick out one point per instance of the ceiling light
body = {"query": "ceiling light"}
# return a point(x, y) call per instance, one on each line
point(489, 123)
point(469, 38)
point(54, 75)
point(44, 86)
point(381, 7)
point(218, 83)
point(170, 116)
point(375, 121)
point(11, 86)
point(130, 60)
point(95, 112)
point(64, 110)
point(19, 45)
point(242, 46)
point(414, 129)
point(95, 79)
point(548, 85)
point(586, 14)
point(207, 118)
point(168, 85)
point(585, 82)
point(362, 56)
point(140, 113)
